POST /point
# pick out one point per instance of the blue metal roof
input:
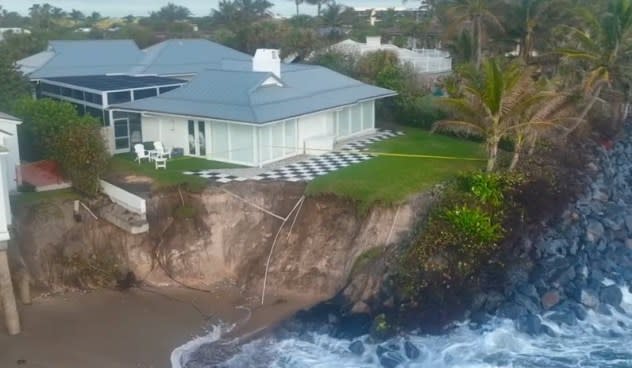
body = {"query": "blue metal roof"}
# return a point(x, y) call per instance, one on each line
point(241, 96)
point(94, 57)
point(115, 82)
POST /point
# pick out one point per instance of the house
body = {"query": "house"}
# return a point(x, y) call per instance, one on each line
point(424, 61)
point(12, 30)
point(11, 153)
point(207, 99)
point(262, 111)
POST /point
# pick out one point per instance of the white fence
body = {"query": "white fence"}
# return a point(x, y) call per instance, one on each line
point(125, 199)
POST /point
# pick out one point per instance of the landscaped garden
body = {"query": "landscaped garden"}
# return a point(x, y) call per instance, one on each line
point(388, 179)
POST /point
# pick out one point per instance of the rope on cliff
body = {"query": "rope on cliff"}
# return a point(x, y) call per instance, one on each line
point(276, 237)
point(254, 205)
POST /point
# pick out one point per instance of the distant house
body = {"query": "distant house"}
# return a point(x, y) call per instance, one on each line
point(209, 100)
point(422, 60)
point(11, 152)
point(14, 30)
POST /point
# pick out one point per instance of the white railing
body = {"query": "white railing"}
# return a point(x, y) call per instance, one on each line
point(123, 198)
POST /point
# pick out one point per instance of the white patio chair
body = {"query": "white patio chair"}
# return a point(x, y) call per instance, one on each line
point(141, 153)
point(161, 150)
point(161, 163)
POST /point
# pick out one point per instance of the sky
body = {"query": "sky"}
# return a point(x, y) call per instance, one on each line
point(120, 8)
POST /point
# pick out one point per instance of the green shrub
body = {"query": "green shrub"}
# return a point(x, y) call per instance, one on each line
point(474, 226)
point(60, 134)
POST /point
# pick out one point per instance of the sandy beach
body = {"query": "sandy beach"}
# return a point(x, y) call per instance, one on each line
point(138, 328)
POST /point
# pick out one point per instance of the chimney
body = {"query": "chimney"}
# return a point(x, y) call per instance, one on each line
point(374, 41)
point(267, 60)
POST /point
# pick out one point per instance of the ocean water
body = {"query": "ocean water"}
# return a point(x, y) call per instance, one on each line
point(600, 341)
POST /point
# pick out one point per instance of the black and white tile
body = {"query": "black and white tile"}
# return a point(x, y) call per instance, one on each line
point(350, 153)
point(363, 144)
point(215, 176)
point(316, 166)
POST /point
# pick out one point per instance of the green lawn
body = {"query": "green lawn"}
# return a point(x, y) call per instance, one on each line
point(124, 164)
point(388, 179)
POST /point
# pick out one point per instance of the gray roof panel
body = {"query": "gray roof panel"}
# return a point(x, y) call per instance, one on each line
point(240, 96)
point(8, 117)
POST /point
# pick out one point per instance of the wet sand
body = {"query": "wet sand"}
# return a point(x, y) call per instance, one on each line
point(138, 328)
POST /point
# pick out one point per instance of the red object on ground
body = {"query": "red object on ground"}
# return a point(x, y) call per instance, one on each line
point(41, 173)
point(607, 143)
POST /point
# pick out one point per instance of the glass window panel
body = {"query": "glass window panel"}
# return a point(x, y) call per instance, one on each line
point(343, 123)
point(356, 119)
point(202, 138)
point(120, 128)
point(144, 93)
point(277, 140)
point(121, 143)
point(77, 94)
point(96, 113)
point(119, 97)
point(66, 91)
point(167, 89)
point(241, 143)
point(94, 98)
point(290, 137)
point(219, 140)
point(191, 137)
point(367, 115)
point(135, 131)
point(265, 143)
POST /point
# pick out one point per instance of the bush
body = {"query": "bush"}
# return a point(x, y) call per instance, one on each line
point(473, 226)
point(60, 134)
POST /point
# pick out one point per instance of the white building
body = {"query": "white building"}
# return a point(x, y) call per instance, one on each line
point(423, 61)
point(11, 158)
point(15, 30)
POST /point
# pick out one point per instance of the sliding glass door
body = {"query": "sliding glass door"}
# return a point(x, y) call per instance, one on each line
point(197, 138)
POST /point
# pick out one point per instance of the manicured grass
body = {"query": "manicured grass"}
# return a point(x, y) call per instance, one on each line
point(124, 164)
point(388, 179)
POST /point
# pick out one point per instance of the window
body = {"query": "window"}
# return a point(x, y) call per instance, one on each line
point(94, 98)
point(50, 88)
point(77, 94)
point(191, 137)
point(119, 97)
point(167, 89)
point(96, 113)
point(144, 93)
point(66, 92)
point(202, 138)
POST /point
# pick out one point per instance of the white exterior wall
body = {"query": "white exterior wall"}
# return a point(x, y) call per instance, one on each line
point(171, 131)
point(259, 145)
point(13, 157)
point(5, 208)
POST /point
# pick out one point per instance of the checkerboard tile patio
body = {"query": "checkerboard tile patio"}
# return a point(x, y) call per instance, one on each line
point(350, 153)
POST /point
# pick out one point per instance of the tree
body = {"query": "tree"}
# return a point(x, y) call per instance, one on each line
point(171, 13)
point(479, 15)
point(297, 3)
point(603, 52)
point(495, 101)
point(74, 141)
point(333, 14)
point(318, 3)
point(532, 20)
point(13, 85)
point(77, 16)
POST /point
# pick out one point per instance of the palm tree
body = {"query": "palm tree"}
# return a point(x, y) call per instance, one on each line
point(529, 20)
point(297, 3)
point(478, 14)
point(332, 16)
point(603, 50)
point(499, 101)
point(319, 4)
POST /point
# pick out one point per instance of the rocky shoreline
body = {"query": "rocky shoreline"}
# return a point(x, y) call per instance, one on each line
point(580, 262)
